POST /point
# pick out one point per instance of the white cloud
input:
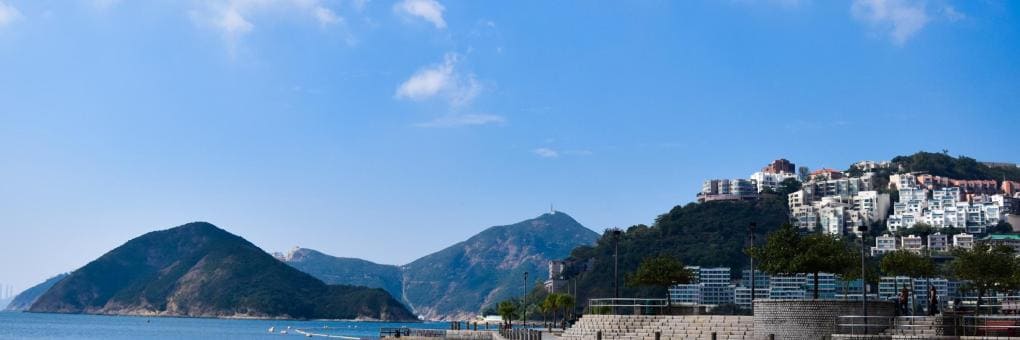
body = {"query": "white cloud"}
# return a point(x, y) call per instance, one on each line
point(235, 18)
point(546, 153)
point(901, 19)
point(233, 23)
point(441, 79)
point(952, 14)
point(326, 16)
point(8, 14)
point(430, 10)
point(458, 120)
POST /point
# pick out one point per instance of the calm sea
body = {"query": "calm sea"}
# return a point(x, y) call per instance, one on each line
point(64, 326)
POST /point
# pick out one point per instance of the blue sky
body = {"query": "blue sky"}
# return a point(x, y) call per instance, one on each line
point(387, 130)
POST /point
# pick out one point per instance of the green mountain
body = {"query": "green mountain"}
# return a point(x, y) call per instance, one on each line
point(349, 271)
point(962, 167)
point(456, 282)
point(489, 267)
point(200, 270)
point(706, 234)
point(26, 298)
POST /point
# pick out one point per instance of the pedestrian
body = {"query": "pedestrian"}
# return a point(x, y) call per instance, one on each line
point(904, 298)
point(933, 300)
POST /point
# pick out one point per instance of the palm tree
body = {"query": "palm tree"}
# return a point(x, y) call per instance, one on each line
point(508, 311)
point(548, 305)
point(565, 301)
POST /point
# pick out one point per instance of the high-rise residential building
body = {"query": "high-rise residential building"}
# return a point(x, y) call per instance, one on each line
point(716, 288)
point(728, 189)
point(780, 166)
point(711, 286)
point(769, 180)
point(787, 287)
point(835, 214)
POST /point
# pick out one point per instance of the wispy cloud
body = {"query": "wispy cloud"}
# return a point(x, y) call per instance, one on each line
point(459, 120)
point(8, 14)
point(900, 19)
point(546, 152)
point(430, 10)
point(441, 79)
point(235, 18)
point(952, 14)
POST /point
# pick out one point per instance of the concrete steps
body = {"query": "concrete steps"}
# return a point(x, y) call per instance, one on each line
point(643, 327)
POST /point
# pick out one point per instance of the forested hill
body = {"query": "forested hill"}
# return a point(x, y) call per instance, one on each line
point(962, 167)
point(200, 270)
point(705, 234)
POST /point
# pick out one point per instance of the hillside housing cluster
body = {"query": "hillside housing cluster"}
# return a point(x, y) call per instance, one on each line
point(838, 202)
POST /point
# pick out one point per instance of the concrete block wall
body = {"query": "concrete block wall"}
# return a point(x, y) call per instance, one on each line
point(809, 319)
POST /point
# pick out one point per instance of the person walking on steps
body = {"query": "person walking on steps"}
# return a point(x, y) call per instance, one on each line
point(904, 299)
point(933, 301)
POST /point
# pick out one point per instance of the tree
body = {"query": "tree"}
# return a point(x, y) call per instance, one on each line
point(789, 186)
point(803, 172)
point(823, 253)
point(920, 229)
point(549, 305)
point(986, 267)
point(1002, 227)
point(785, 252)
point(508, 311)
point(906, 263)
point(660, 271)
point(565, 302)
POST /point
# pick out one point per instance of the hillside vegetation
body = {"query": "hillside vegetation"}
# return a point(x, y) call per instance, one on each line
point(707, 234)
point(962, 167)
point(200, 270)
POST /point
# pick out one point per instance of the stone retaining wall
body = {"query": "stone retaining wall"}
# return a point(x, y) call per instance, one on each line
point(809, 319)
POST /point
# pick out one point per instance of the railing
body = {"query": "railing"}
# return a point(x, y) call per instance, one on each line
point(612, 306)
point(404, 331)
point(994, 325)
point(862, 325)
point(521, 334)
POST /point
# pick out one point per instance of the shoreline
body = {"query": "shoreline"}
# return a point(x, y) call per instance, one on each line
point(238, 317)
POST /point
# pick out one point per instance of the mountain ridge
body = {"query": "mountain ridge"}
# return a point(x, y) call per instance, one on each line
point(200, 270)
point(459, 280)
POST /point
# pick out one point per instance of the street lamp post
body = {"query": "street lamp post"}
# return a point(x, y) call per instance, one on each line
point(864, 278)
point(616, 263)
point(750, 232)
point(524, 301)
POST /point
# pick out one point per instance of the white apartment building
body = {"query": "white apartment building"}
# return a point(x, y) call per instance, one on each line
point(728, 189)
point(938, 242)
point(965, 241)
point(884, 244)
point(770, 180)
point(912, 243)
point(837, 215)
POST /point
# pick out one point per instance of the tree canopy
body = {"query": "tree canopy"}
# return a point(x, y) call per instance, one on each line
point(660, 271)
point(786, 252)
point(985, 267)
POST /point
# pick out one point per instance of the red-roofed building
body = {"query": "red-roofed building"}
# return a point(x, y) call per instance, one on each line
point(826, 174)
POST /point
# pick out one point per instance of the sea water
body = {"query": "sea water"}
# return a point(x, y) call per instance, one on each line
point(15, 325)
